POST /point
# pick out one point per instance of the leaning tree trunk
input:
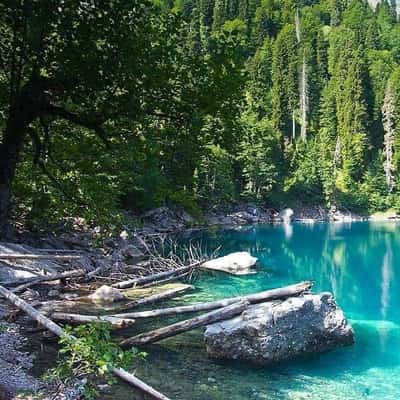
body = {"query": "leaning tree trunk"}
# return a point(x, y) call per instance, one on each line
point(10, 149)
point(24, 109)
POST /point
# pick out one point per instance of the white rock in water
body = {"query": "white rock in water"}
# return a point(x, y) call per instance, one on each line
point(107, 294)
point(286, 214)
point(239, 263)
point(280, 330)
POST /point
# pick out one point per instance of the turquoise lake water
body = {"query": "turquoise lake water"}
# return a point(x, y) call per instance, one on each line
point(358, 262)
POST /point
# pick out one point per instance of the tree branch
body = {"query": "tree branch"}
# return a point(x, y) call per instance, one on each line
point(79, 120)
point(59, 186)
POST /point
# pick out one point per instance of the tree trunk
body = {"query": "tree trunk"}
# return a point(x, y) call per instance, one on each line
point(25, 109)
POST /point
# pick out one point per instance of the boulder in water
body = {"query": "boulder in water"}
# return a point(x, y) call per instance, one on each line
point(286, 214)
point(275, 331)
point(238, 263)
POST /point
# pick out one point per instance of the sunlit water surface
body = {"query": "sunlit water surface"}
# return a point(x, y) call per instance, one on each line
point(358, 262)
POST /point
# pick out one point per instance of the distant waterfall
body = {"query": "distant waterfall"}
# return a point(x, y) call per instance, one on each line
point(303, 86)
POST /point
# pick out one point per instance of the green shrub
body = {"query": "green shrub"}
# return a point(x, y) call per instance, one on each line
point(88, 351)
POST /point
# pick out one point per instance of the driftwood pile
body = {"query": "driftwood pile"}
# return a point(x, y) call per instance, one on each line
point(39, 267)
point(207, 312)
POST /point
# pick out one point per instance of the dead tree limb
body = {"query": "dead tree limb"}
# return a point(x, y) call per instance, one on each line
point(272, 294)
point(183, 326)
point(155, 277)
point(57, 330)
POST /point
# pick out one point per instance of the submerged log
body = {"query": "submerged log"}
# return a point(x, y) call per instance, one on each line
point(59, 331)
point(166, 294)
point(155, 277)
point(189, 324)
point(116, 323)
point(272, 294)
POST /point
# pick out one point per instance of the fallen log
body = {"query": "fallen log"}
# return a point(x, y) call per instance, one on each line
point(46, 278)
point(59, 331)
point(272, 294)
point(183, 326)
point(38, 257)
point(155, 277)
point(167, 294)
point(116, 323)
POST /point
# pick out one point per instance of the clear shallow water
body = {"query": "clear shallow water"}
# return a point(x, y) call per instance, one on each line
point(358, 262)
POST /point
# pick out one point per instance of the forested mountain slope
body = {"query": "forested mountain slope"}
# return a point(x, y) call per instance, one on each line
point(267, 101)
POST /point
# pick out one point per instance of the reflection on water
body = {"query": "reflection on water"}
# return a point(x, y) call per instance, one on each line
point(358, 262)
point(386, 277)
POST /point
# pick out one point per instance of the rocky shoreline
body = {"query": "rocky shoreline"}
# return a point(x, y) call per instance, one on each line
point(167, 219)
point(15, 363)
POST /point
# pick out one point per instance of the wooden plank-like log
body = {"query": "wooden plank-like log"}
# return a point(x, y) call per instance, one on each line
point(184, 326)
point(272, 294)
point(155, 277)
point(116, 323)
point(59, 331)
point(39, 257)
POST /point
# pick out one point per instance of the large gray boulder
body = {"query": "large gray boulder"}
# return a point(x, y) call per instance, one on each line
point(281, 330)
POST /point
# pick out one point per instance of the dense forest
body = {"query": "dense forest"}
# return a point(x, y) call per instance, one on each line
point(128, 105)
